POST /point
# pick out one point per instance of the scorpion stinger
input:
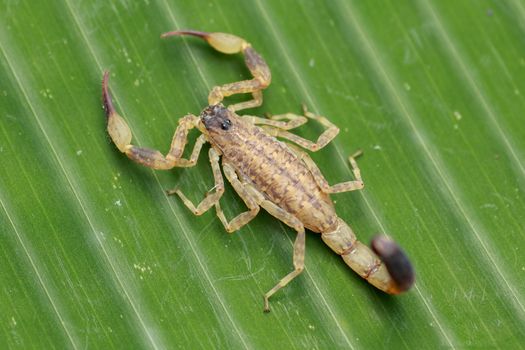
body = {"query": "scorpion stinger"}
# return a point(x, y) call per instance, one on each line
point(389, 270)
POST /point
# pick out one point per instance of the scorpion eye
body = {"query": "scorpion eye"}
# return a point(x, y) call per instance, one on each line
point(226, 124)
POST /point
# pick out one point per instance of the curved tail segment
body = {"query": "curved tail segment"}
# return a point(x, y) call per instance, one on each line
point(231, 44)
point(388, 269)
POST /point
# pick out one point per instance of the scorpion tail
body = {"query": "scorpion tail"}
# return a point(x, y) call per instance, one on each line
point(388, 269)
point(231, 44)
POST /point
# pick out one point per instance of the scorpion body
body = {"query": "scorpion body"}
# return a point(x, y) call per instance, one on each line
point(267, 172)
point(272, 168)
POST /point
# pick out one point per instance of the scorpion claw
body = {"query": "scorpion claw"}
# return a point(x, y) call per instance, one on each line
point(106, 97)
point(203, 35)
point(118, 129)
point(222, 42)
point(232, 44)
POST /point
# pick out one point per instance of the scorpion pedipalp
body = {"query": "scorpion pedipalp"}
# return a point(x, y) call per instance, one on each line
point(118, 129)
point(121, 135)
point(231, 44)
point(222, 42)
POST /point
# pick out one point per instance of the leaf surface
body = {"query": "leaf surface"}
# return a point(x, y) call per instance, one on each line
point(95, 254)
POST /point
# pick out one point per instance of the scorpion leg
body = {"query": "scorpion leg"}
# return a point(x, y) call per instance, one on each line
point(346, 186)
point(231, 44)
point(250, 201)
point(294, 120)
point(209, 200)
point(298, 246)
point(120, 134)
point(253, 198)
point(323, 139)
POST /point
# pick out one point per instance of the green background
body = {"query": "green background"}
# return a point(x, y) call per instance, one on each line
point(93, 254)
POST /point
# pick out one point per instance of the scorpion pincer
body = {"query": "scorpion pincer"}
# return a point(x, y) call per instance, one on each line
point(266, 172)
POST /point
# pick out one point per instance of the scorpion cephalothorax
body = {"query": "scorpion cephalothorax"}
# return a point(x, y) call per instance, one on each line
point(216, 116)
point(266, 172)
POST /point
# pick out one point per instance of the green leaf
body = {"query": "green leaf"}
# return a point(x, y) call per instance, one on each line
point(94, 254)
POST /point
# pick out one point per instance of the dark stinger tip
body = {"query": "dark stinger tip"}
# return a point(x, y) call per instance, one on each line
point(106, 97)
point(396, 262)
point(202, 35)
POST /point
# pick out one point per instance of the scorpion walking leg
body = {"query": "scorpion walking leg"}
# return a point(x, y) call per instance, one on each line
point(251, 202)
point(325, 138)
point(294, 120)
point(298, 263)
point(120, 133)
point(298, 247)
point(346, 186)
point(209, 200)
point(231, 44)
point(389, 270)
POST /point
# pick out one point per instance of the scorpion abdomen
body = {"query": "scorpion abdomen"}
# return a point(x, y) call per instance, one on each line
point(279, 174)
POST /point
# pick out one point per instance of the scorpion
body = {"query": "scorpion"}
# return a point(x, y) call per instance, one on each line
point(266, 172)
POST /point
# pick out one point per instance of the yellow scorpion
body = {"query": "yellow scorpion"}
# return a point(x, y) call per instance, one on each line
point(266, 172)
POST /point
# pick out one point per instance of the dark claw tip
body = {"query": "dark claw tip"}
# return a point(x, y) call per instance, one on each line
point(396, 262)
point(106, 97)
point(203, 35)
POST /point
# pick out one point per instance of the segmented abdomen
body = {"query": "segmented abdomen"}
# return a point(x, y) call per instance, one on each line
point(280, 175)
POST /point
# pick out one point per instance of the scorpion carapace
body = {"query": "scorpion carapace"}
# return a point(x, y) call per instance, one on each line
point(266, 172)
